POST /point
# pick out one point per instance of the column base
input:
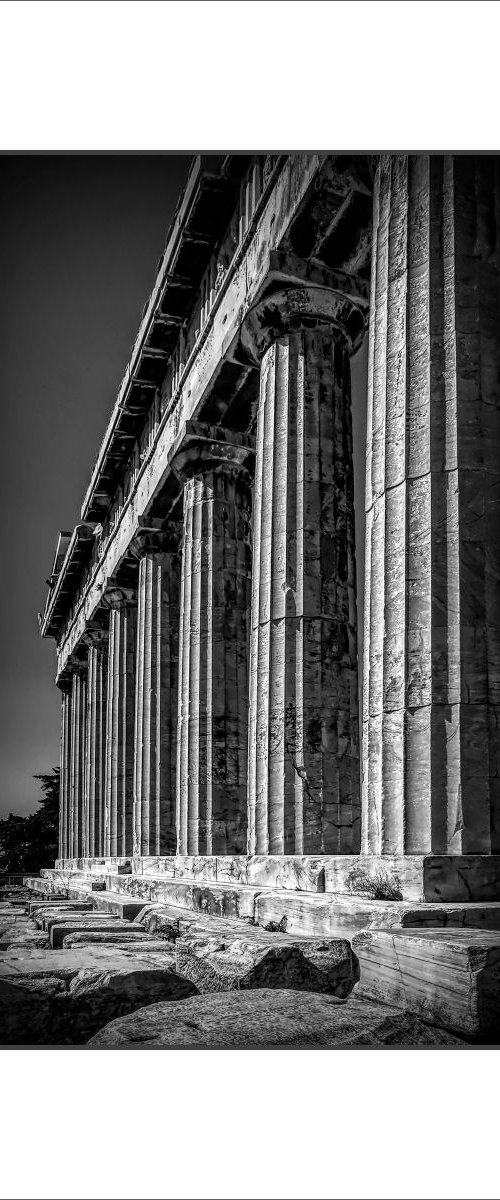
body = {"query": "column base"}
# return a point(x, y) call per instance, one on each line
point(436, 879)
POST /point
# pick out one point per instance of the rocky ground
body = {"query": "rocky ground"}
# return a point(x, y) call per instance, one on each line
point(72, 974)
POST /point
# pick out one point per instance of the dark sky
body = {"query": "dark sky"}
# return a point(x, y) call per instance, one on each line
point(80, 239)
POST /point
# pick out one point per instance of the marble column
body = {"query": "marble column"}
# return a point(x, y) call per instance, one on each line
point(120, 709)
point(97, 641)
point(213, 650)
point(65, 686)
point(432, 611)
point(156, 682)
point(78, 709)
point(303, 787)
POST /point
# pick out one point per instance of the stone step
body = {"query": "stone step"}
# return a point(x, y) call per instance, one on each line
point(86, 881)
point(447, 977)
point(54, 997)
point(115, 902)
point(216, 899)
point(306, 913)
point(330, 915)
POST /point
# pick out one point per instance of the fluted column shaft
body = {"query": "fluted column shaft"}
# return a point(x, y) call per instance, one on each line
point(65, 775)
point(96, 746)
point(78, 710)
point(156, 702)
point(119, 767)
point(303, 730)
point(213, 652)
point(432, 610)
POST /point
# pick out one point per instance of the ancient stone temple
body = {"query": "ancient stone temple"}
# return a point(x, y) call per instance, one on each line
point(225, 745)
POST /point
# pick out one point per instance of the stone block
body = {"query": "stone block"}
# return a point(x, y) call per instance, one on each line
point(292, 871)
point(121, 906)
point(40, 912)
point(62, 997)
point(269, 1019)
point(223, 900)
point(459, 878)
point(55, 918)
point(59, 930)
point(131, 939)
point(333, 914)
point(449, 978)
point(218, 964)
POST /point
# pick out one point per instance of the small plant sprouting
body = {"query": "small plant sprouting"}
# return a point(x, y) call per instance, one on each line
point(382, 885)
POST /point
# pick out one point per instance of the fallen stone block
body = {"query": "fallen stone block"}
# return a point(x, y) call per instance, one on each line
point(266, 1019)
point(216, 964)
point(62, 997)
point(449, 978)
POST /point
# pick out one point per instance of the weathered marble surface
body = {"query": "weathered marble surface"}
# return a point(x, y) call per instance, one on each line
point(303, 785)
point(156, 679)
point(95, 740)
point(336, 915)
point(119, 773)
point(436, 878)
point(432, 614)
point(77, 748)
point(120, 906)
point(217, 899)
point(449, 978)
point(65, 763)
point(37, 908)
point(267, 1019)
point(223, 963)
point(213, 679)
point(130, 939)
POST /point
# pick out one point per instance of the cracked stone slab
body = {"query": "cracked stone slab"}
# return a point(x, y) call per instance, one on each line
point(268, 1019)
point(449, 978)
point(62, 997)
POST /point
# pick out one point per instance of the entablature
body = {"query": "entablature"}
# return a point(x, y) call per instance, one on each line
point(218, 383)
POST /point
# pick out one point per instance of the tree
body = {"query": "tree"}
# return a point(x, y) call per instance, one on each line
point(29, 843)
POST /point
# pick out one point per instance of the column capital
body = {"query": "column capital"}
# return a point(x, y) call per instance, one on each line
point(208, 448)
point(95, 635)
point(155, 536)
point(65, 682)
point(293, 307)
point(119, 597)
point(76, 665)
